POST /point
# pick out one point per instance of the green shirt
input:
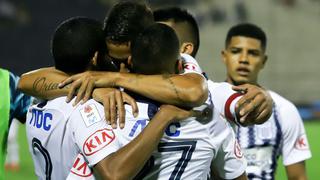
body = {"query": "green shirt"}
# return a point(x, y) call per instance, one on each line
point(4, 114)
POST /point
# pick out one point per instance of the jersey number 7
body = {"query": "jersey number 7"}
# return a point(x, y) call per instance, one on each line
point(187, 148)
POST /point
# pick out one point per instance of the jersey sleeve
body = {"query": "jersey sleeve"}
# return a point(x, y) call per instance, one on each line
point(92, 135)
point(19, 102)
point(229, 162)
point(295, 143)
point(190, 65)
point(224, 99)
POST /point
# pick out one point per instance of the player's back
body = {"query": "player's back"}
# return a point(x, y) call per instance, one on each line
point(187, 148)
point(50, 139)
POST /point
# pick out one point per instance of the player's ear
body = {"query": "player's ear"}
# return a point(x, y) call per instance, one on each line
point(94, 60)
point(223, 56)
point(265, 58)
point(187, 48)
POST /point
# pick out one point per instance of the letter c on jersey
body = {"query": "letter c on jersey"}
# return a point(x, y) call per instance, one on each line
point(41, 120)
point(172, 129)
point(97, 141)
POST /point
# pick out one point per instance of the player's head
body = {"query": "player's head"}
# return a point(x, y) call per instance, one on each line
point(244, 54)
point(75, 42)
point(124, 22)
point(155, 50)
point(185, 26)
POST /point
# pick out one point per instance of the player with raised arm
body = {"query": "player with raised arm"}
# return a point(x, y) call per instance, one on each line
point(187, 30)
point(187, 147)
point(63, 139)
point(283, 134)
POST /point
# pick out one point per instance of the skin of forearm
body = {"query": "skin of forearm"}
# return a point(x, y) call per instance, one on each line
point(297, 171)
point(188, 90)
point(43, 83)
point(129, 160)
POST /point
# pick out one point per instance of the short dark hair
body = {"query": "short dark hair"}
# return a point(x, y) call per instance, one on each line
point(126, 20)
point(179, 15)
point(155, 50)
point(75, 42)
point(247, 30)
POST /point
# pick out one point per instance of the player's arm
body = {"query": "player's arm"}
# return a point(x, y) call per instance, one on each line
point(129, 160)
point(188, 89)
point(296, 171)
point(248, 105)
point(185, 90)
point(255, 106)
point(43, 83)
point(295, 148)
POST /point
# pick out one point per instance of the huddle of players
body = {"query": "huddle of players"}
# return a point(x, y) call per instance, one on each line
point(163, 142)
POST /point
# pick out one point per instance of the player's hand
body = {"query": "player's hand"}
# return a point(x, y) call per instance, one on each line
point(255, 106)
point(81, 85)
point(113, 101)
point(174, 113)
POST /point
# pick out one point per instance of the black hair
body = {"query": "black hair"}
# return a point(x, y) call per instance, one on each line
point(179, 15)
point(126, 20)
point(247, 30)
point(74, 43)
point(155, 50)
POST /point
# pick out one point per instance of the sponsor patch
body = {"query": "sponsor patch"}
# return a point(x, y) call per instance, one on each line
point(190, 66)
point(90, 114)
point(237, 150)
point(80, 167)
point(97, 141)
point(302, 143)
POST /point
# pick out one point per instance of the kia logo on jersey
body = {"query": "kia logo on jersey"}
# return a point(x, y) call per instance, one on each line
point(190, 66)
point(97, 141)
point(80, 167)
point(302, 143)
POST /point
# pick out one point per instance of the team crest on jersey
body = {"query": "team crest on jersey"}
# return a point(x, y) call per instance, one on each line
point(80, 167)
point(97, 141)
point(302, 143)
point(237, 150)
point(90, 114)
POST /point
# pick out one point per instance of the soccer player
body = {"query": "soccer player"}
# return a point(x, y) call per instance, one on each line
point(283, 134)
point(127, 18)
point(13, 104)
point(188, 147)
point(63, 138)
point(187, 30)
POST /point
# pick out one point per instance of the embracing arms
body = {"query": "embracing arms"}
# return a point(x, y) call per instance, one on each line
point(129, 160)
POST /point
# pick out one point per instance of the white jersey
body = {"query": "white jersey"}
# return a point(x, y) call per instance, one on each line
point(63, 139)
point(283, 134)
point(190, 65)
point(188, 148)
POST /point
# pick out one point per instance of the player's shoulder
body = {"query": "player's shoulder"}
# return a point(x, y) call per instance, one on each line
point(280, 101)
point(59, 105)
point(89, 106)
point(285, 111)
point(90, 112)
point(217, 85)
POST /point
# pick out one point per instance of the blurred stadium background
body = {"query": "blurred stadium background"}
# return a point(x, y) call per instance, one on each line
point(292, 27)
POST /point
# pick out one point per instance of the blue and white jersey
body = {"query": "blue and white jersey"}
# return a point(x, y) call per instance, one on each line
point(283, 134)
point(189, 147)
point(65, 141)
